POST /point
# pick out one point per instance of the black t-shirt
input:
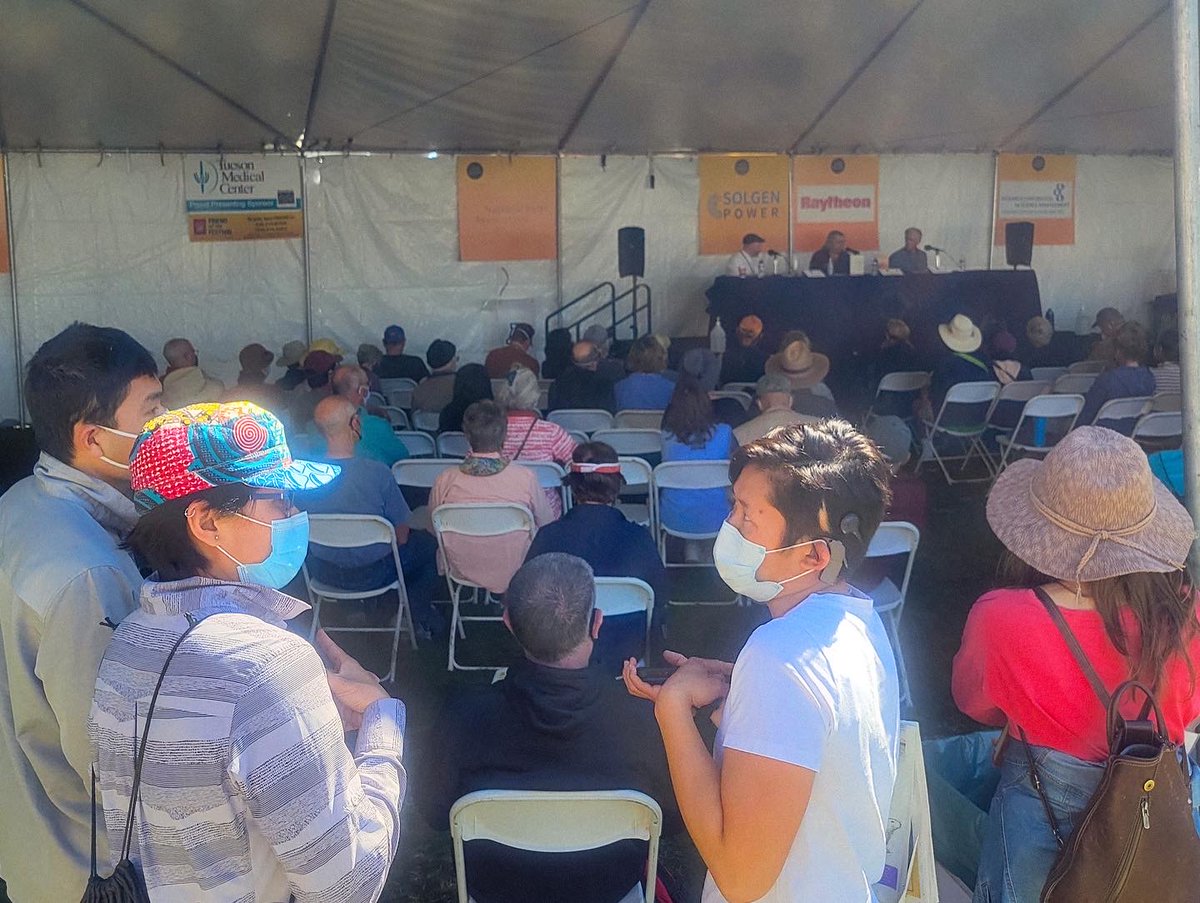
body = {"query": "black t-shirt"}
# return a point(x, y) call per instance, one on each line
point(401, 366)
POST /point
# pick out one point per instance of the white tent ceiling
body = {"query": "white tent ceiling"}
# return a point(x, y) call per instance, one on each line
point(588, 76)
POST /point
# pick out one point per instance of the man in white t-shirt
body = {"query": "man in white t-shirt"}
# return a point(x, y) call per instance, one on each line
point(793, 803)
point(751, 259)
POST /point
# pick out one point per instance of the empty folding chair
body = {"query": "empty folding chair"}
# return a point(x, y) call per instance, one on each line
point(396, 417)
point(1167, 401)
point(1006, 412)
point(419, 444)
point(556, 822)
point(962, 420)
point(741, 398)
point(641, 443)
point(639, 419)
point(1074, 383)
point(1047, 374)
point(1121, 414)
point(398, 392)
point(356, 531)
point(1093, 367)
point(626, 596)
point(578, 437)
point(585, 420)
point(1159, 430)
point(426, 420)
point(1044, 421)
point(474, 520)
point(685, 475)
point(639, 479)
point(453, 444)
point(894, 538)
point(897, 392)
point(550, 475)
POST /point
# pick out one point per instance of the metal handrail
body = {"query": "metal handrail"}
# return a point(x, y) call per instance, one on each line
point(611, 307)
point(611, 303)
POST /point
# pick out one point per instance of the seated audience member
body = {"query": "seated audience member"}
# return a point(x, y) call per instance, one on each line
point(317, 366)
point(252, 383)
point(833, 257)
point(745, 360)
point(471, 384)
point(1128, 378)
point(1094, 540)
point(366, 486)
point(486, 476)
point(436, 390)
point(894, 440)
point(254, 359)
point(597, 531)
point(378, 440)
point(664, 342)
point(515, 353)
point(897, 354)
point(792, 805)
point(774, 398)
point(703, 366)
point(806, 370)
point(184, 382)
point(750, 260)
point(581, 385)
point(910, 258)
point(1046, 347)
point(280, 807)
point(1007, 369)
point(1166, 363)
point(645, 388)
point(691, 433)
point(291, 359)
point(368, 357)
point(396, 364)
point(610, 368)
point(64, 571)
point(529, 437)
point(962, 362)
point(1109, 321)
point(1167, 466)
point(554, 723)
point(558, 353)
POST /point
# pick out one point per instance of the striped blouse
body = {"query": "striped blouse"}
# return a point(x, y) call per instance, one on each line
point(249, 792)
point(530, 438)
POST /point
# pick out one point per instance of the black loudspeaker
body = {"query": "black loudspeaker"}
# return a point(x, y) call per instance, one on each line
point(631, 251)
point(1018, 244)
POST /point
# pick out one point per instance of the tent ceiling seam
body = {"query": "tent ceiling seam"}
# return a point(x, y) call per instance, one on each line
point(182, 70)
point(319, 68)
point(495, 71)
point(602, 77)
point(855, 76)
point(1083, 76)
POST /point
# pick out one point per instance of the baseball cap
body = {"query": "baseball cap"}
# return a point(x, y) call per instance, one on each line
point(393, 335)
point(440, 353)
point(750, 326)
point(255, 357)
point(1108, 315)
point(203, 446)
point(293, 353)
point(320, 362)
point(751, 237)
point(328, 345)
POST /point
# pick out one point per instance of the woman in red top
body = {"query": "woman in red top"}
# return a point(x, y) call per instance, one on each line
point(1093, 530)
point(529, 437)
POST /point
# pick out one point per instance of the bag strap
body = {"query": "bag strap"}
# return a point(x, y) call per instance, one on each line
point(1076, 650)
point(972, 359)
point(1036, 779)
point(521, 447)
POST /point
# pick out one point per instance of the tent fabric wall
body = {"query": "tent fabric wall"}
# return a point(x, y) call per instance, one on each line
point(8, 345)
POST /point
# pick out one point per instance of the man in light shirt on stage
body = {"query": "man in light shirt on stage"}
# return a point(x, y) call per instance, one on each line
point(750, 260)
point(910, 258)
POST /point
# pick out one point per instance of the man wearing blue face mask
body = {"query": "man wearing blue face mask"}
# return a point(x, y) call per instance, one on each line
point(248, 789)
point(793, 803)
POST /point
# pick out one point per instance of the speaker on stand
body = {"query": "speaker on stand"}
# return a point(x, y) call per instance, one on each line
point(1018, 244)
point(631, 258)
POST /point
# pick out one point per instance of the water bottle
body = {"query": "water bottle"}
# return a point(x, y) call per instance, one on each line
point(716, 339)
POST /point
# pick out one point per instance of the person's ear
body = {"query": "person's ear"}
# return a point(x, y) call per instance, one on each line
point(84, 437)
point(597, 620)
point(203, 524)
point(507, 622)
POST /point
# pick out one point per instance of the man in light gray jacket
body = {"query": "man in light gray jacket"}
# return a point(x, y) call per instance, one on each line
point(63, 574)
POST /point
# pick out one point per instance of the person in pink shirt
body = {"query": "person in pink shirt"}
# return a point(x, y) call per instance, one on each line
point(486, 475)
point(530, 438)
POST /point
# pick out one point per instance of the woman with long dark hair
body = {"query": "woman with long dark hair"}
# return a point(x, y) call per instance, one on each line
point(471, 384)
point(1094, 537)
point(691, 433)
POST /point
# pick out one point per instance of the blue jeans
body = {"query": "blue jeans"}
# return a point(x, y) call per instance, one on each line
point(1018, 844)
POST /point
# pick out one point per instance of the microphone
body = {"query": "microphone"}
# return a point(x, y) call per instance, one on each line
point(774, 254)
point(853, 251)
point(935, 250)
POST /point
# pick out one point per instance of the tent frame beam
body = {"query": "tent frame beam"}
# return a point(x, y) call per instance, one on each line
point(319, 69)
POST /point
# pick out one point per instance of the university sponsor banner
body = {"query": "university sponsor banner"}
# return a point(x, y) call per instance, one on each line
point(507, 208)
point(243, 197)
point(4, 251)
point(837, 191)
point(742, 193)
point(1040, 189)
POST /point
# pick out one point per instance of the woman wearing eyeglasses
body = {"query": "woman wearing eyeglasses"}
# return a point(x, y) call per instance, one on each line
point(245, 787)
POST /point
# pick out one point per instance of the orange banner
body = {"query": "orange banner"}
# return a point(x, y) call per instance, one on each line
point(739, 194)
point(835, 192)
point(4, 264)
point(506, 208)
point(1038, 189)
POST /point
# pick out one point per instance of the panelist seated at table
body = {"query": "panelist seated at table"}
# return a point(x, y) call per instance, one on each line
point(833, 257)
point(910, 258)
point(751, 260)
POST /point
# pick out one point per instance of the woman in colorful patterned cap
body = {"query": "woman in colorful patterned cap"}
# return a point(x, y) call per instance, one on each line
point(247, 788)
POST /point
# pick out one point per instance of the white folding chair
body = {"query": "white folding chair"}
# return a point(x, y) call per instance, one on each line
point(639, 419)
point(584, 420)
point(549, 476)
point(419, 444)
point(1020, 391)
point(625, 596)
point(685, 475)
point(396, 417)
point(749, 388)
point(498, 385)
point(420, 473)
point(1047, 374)
point(1122, 409)
point(355, 531)
point(963, 419)
point(556, 822)
point(742, 398)
point(1074, 383)
point(894, 538)
point(1093, 367)
point(1045, 419)
point(639, 442)
point(1159, 429)
point(497, 519)
point(1168, 401)
point(398, 392)
point(639, 477)
point(902, 382)
point(578, 437)
point(426, 420)
point(453, 444)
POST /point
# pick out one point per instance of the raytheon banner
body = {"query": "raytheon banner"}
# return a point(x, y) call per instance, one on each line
point(835, 192)
point(241, 197)
point(741, 193)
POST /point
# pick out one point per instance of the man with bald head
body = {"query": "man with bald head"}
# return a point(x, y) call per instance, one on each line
point(366, 486)
point(184, 382)
point(377, 441)
point(582, 385)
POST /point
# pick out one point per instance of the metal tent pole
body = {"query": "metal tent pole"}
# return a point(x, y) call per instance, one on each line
point(307, 211)
point(1187, 237)
point(6, 172)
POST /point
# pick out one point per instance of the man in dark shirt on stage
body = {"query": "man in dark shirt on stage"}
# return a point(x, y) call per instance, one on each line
point(910, 258)
point(833, 258)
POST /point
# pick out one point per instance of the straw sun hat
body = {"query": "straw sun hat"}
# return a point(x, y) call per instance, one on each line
point(1091, 510)
point(961, 334)
point(803, 366)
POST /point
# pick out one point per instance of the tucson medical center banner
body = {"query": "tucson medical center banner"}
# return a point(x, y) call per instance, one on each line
point(1039, 189)
point(739, 194)
point(243, 197)
point(835, 192)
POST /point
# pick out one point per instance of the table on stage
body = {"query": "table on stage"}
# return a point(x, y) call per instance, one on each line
point(845, 316)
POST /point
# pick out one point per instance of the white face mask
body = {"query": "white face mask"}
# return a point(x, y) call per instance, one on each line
point(738, 560)
point(123, 435)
